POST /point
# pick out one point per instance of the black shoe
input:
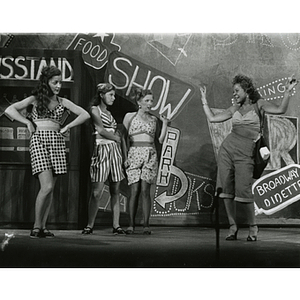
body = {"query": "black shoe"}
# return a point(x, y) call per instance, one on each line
point(47, 234)
point(36, 233)
point(87, 230)
point(233, 231)
point(253, 231)
point(147, 231)
point(118, 230)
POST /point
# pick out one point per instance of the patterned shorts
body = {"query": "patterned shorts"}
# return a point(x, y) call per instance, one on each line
point(48, 152)
point(143, 164)
point(106, 163)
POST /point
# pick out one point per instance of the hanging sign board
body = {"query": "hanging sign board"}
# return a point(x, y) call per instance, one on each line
point(170, 93)
point(277, 190)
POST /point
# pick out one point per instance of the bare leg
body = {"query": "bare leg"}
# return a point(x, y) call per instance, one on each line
point(146, 200)
point(114, 188)
point(231, 215)
point(94, 202)
point(47, 211)
point(133, 203)
point(250, 215)
point(44, 198)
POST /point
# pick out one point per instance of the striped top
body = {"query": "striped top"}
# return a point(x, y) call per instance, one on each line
point(109, 123)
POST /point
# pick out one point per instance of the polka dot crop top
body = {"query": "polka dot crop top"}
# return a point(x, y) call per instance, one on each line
point(137, 126)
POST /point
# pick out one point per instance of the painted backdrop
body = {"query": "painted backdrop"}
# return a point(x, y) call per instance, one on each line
point(173, 66)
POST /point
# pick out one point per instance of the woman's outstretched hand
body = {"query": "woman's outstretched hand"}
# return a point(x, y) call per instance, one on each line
point(203, 94)
point(291, 83)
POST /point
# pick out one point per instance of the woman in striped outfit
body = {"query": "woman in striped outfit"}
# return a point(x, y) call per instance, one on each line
point(106, 162)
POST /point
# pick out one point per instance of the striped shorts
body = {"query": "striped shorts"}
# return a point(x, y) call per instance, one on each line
point(106, 163)
point(48, 152)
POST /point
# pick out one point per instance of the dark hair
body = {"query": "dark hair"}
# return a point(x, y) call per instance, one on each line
point(101, 89)
point(43, 92)
point(139, 94)
point(248, 86)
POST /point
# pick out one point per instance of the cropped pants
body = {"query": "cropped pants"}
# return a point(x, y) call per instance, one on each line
point(235, 168)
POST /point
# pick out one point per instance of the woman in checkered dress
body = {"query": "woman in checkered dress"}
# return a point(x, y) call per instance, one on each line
point(47, 144)
point(106, 162)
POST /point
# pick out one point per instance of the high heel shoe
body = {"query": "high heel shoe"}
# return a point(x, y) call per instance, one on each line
point(253, 231)
point(233, 231)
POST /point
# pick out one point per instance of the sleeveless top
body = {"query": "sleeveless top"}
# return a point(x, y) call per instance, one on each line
point(109, 124)
point(247, 125)
point(55, 114)
point(137, 126)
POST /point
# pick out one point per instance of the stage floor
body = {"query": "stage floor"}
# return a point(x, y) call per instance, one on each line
point(167, 247)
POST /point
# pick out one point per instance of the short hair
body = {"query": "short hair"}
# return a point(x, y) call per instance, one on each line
point(105, 88)
point(139, 93)
point(102, 88)
point(247, 85)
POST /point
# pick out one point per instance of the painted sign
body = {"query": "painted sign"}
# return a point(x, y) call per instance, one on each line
point(166, 168)
point(283, 141)
point(172, 46)
point(18, 68)
point(178, 192)
point(170, 93)
point(6, 133)
point(277, 190)
point(95, 48)
point(29, 68)
point(274, 90)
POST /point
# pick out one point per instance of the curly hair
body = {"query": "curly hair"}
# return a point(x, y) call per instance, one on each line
point(247, 85)
point(43, 92)
point(139, 94)
point(101, 89)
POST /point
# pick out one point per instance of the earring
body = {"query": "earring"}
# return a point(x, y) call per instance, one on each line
point(140, 107)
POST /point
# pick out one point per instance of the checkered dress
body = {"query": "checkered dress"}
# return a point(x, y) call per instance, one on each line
point(47, 147)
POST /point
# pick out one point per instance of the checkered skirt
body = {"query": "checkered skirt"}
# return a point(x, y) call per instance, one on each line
point(48, 152)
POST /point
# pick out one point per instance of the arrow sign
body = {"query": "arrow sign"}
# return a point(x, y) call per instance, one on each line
point(164, 199)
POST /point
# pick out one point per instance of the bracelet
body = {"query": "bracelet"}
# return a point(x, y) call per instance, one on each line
point(204, 104)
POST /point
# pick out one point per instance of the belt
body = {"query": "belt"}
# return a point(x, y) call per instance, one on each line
point(47, 125)
point(104, 141)
point(142, 144)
